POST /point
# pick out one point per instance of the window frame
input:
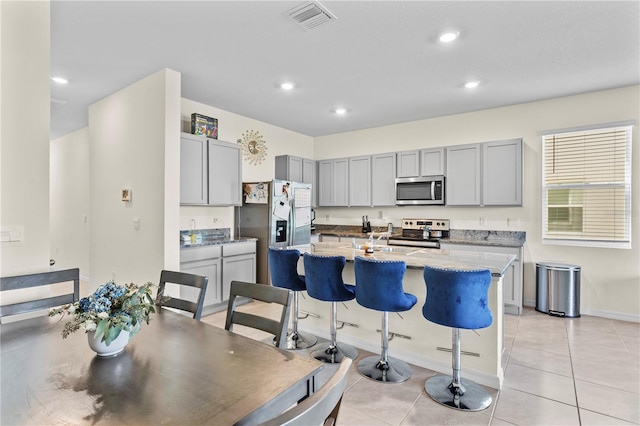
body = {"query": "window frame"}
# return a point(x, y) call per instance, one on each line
point(579, 241)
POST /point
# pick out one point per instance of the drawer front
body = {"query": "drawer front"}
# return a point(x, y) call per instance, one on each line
point(200, 253)
point(238, 248)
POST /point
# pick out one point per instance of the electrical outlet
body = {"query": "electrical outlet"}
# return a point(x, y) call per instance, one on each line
point(513, 221)
point(215, 220)
point(136, 223)
point(327, 217)
point(483, 221)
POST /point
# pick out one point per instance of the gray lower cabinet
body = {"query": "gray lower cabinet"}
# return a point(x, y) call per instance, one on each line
point(238, 264)
point(512, 281)
point(383, 179)
point(205, 260)
point(221, 263)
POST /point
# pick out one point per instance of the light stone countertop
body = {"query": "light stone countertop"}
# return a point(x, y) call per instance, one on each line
point(418, 258)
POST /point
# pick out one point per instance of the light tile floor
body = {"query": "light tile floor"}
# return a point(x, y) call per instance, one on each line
point(558, 371)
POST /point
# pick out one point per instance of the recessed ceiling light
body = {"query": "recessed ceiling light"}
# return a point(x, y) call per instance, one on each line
point(340, 111)
point(59, 80)
point(287, 86)
point(449, 36)
point(471, 84)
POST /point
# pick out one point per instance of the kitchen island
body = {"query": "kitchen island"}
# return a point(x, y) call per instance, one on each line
point(416, 340)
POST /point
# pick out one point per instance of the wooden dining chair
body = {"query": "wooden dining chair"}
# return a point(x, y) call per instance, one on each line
point(182, 279)
point(264, 293)
point(37, 302)
point(322, 407)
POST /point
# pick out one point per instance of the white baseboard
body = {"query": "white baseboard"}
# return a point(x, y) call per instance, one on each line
point(597, 313)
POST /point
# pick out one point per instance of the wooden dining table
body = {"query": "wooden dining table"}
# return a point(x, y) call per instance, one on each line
point(174, 371)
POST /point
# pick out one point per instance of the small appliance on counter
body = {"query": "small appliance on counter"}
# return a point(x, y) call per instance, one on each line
point(425, 233)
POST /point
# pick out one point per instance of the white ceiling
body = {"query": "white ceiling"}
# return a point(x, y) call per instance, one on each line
point(379, 59)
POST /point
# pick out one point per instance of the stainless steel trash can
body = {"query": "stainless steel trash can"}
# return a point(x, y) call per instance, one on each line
point(558, 289)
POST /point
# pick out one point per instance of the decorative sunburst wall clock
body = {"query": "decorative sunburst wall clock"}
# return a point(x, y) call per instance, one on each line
point(254, 147)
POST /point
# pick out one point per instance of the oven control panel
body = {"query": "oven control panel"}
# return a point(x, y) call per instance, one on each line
point(432, 224)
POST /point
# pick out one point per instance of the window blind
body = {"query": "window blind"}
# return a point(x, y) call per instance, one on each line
point(587, 187)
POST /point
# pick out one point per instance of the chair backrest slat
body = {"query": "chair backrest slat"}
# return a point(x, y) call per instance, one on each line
point(320, 408)
point(184, 279)
point(264, 293)
point(40, 279)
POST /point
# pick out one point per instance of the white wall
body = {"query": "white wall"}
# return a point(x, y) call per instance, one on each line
point(69, 201)
point(231, 127)
point(610, 277)
point(134, 143)
point(24, 134)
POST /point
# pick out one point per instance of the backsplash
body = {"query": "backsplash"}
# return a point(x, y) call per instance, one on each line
point(204, 236)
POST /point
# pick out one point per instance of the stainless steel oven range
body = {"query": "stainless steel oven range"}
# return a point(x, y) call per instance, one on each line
point(425, 233)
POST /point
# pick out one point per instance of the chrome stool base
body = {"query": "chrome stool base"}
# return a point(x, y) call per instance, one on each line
point(331, 354)
point(300, 340)
point(475, 398)
point(391, 371)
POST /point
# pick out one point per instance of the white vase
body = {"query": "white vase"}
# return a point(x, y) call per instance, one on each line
point(114, 348)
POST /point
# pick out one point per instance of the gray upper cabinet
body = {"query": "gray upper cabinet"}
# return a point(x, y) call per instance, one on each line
point(502, 173)
point(210, 172)
point(408, 163)
point(225, 174)
point(298, 169)
point(333, 182)
point(360, 181)
point(289, 167)
point(341, 182)
point(463, 175)
point(383, 179)
point(193, 169)
point(325, 182)
point(487, 174)
point(432, 162)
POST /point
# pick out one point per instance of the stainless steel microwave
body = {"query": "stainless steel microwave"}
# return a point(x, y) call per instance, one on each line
point(420, 190)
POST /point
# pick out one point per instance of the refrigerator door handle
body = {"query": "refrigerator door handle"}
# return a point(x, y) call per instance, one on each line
point(291, 225)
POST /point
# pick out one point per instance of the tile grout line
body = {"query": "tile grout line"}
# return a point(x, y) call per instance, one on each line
point(573, 374)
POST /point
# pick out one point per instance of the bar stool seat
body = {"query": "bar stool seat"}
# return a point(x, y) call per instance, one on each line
point(283, 267)
point(323, 277)
point(379, 287)
point(457, 299)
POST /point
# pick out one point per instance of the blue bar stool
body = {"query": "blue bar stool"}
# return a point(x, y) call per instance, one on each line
point(379, 287)
point(323, 276)
point(283, 267)
point(457, 299)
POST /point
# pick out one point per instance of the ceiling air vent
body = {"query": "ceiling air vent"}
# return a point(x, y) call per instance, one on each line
point(310, 15)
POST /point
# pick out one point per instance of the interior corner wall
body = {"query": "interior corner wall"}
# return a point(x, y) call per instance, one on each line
point(610, 278)
point(24, 134)
point(70, 201)
point(130, 138)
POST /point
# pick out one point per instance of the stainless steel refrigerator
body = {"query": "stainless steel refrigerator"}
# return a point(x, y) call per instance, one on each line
point(278, 214)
